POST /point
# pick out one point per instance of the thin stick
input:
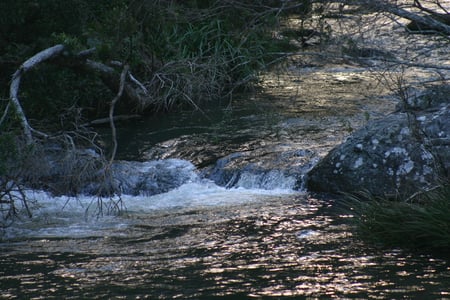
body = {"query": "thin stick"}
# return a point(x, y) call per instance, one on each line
point(111, 111)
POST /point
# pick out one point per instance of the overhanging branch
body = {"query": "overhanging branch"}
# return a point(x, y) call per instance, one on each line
point(129, 85)
point(15, 85)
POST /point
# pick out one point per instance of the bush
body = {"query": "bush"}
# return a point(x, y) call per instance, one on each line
point(185, 52)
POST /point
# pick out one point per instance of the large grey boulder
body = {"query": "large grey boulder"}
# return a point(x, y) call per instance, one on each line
point(400, 154)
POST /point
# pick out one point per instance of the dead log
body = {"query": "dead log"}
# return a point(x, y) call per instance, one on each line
point(421, 26)
point(436, 22)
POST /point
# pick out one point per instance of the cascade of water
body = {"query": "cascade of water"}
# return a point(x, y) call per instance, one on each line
point(178, 186)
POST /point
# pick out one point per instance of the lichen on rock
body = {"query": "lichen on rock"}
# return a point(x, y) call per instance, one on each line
point(397, 155)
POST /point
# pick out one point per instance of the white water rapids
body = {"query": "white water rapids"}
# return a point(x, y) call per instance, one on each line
point(90, 216)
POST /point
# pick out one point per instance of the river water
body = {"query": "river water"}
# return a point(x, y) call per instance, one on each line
point(255, 238)
point(202, 240)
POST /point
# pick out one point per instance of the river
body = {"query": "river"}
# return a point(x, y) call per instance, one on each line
point(202, 240)
point(256, 236)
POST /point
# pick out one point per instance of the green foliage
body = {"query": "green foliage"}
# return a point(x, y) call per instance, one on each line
point(165, 43)
point(72, 43)
point(420, 223)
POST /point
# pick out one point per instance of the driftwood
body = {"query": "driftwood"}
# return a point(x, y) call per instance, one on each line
point(126, 83)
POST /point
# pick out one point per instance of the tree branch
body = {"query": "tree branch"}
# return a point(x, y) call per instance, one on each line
point(430, 22)
point(123, 77)
point(132, 87)
point(5, 113)
point(15, 85)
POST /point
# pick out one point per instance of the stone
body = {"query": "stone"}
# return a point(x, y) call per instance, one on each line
point(398, 155)
point(264, 168)
point(145, 178)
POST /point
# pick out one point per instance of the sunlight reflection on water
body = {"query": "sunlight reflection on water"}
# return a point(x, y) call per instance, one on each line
point(245, 250)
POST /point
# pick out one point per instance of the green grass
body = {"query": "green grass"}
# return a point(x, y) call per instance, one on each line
point(421, 222)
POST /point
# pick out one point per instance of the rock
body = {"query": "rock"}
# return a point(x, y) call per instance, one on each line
point(265, 168)
point(83, 172)
point(397, 155)
point(145, 178)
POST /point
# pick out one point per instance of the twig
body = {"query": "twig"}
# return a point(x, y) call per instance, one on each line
point(138, 83)
point(123, 77)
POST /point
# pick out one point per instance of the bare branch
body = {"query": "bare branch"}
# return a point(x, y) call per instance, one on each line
point(123, 77)
point(15, 85)
point(41, 57)
point(138, 83)
point(5, 113)
point(133, 88)
point(433, 23)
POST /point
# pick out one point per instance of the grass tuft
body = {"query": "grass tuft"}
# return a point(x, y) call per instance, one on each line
point(421, 222)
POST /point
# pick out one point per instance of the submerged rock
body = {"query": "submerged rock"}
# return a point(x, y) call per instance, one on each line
point(398, 155)
point(145, 178)
point(266, 168)
point(76, 172)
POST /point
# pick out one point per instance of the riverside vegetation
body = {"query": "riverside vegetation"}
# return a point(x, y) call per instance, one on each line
point(175, 54)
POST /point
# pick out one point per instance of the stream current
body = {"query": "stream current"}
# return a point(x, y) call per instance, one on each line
point(202, 240)
point(256, 238)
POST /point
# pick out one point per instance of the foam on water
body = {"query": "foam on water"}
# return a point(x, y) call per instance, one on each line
point(200, 194)
point(59, 217)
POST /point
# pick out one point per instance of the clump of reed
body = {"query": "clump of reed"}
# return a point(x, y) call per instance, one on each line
point(421, 222)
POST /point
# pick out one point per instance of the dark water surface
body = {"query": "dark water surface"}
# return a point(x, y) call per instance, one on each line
point(202, 241)
point(290, 246)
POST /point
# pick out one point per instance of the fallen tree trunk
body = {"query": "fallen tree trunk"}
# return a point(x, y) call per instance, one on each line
point(437, 22)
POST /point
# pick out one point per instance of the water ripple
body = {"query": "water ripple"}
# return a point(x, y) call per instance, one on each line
point(288, 248)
